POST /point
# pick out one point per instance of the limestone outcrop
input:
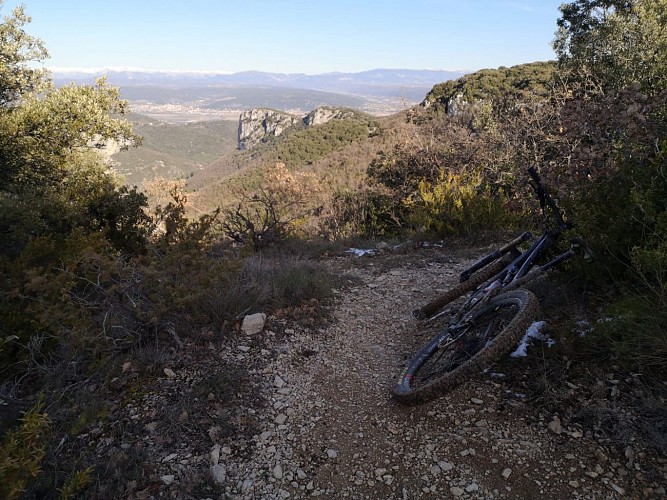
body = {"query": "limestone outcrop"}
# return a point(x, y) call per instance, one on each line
point(258, 125)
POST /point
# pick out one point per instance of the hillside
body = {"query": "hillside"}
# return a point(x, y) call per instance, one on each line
point(337, 153)
point(173, 151)
point(498, 85)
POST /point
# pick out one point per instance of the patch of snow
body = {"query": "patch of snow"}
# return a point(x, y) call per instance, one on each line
point(360, 252)
point(534, 332)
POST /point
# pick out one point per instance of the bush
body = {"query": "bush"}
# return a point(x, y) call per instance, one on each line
point(456, 204)
point(21, 453)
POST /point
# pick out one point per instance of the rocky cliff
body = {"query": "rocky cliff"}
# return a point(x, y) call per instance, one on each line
point(260, 124)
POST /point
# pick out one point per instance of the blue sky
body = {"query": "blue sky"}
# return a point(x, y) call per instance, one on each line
point(292, 36)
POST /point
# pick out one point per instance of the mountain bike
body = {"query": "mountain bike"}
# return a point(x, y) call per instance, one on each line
point(495, 314)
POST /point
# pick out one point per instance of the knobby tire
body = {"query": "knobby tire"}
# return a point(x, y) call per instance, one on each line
point(436, 369)
point(462, 288)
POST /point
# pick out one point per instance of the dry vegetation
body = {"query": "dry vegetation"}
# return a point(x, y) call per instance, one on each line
point(93, 278)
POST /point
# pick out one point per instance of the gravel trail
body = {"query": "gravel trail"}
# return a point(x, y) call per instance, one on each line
point(334, 431)
point(318, 419)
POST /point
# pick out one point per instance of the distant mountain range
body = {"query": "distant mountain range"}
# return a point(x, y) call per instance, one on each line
point(175, 96)
point(328, 82)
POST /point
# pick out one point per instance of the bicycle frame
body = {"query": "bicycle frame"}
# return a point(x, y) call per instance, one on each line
point(521, 269)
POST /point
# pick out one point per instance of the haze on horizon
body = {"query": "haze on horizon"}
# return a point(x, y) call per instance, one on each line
point(291, 36)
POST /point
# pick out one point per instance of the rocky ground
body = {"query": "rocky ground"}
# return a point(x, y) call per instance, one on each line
point(296, 411)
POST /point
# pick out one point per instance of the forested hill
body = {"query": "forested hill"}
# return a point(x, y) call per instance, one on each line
point(501, 84)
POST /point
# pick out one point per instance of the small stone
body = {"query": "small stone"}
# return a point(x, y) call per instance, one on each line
point(278, 471)
point(445, 466)
point(127, 366)
point(555, 426)
point(253, 323)
point(617, 489)
point(219, 474)
point(482, 423)
point(278, 382)
point(629, 453)
point(476, 401)
point(170, 457)
point(281, 419)
point(332, 453)
point(472, 487)
point(215, 454)
point(435, 470)
point(169, 372)
point(300, 474)
point(506, 473)
point(574, 484)
point(168, 479)
point(243, 348)
point(456, 491)
point(600, 455)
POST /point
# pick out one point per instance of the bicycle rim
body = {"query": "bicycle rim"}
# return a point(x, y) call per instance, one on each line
point(450, 357)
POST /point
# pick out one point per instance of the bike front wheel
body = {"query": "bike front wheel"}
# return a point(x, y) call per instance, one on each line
point(457, 353)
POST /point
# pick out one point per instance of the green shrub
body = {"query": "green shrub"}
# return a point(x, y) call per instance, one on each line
point(21, 453)
point(455, 204)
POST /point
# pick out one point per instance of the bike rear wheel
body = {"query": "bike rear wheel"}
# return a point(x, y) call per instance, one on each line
point(446, 361)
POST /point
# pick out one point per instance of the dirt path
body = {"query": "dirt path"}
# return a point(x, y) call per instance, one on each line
point(327, 425)
point(334, 431)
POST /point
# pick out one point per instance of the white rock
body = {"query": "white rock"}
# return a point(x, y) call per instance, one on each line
point(168, 479)
point(332, 453)
point(253, 323)
point(169, 372)
point(506, 473)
